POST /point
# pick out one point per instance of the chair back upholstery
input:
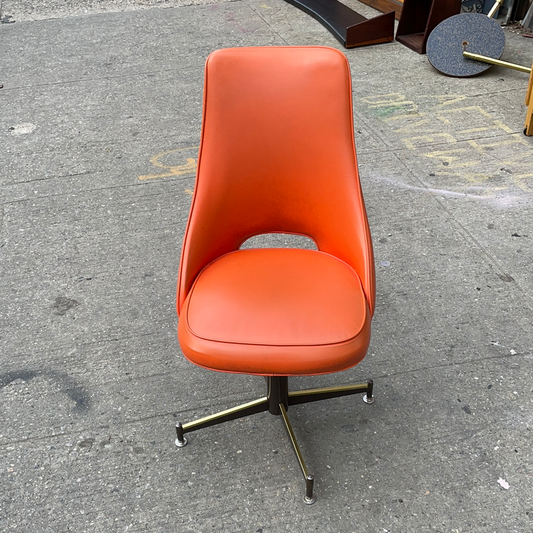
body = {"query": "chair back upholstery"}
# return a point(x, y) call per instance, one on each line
point(277, 155)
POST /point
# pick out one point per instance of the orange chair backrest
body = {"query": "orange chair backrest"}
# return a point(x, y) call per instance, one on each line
point(277, 155)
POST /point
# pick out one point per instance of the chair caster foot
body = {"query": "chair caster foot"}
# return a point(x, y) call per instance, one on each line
point(309, 501)
point(368, 399)
point(309, 497)
point(180, 441)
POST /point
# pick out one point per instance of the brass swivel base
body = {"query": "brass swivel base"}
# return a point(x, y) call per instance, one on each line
point(277, 402)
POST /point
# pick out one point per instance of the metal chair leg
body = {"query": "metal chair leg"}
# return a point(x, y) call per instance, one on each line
point(246, 409)
point(277, 401)
point(180, 441)
point(309, 497)
point(369, 396)
point(315, 395)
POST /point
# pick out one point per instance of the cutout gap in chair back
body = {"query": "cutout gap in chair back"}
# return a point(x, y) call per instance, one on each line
point(279, 240)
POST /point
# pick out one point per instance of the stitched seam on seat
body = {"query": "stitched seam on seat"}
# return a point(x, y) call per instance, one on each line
point(340, 343)
point(345, 341)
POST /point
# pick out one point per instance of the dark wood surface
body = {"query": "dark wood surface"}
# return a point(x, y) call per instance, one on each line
point(349, 27)
point(420, 17)
point(386, 6)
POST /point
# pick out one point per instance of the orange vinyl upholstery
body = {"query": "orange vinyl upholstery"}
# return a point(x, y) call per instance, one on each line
point(277, 155)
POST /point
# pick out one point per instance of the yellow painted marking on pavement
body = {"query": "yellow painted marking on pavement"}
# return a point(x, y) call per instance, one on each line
point(519, 183)
point(414, 126)
point(475, 108)
point(502, 126)
point(475, 138)
point(172, 170)
point(448, 99)
point(409, 142)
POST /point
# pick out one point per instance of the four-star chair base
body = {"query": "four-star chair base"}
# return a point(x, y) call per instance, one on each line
point(277, 402)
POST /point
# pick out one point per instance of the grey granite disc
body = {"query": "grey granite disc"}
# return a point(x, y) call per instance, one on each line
point(473, 32)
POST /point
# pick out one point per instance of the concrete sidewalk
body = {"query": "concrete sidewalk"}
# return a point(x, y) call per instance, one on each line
point(99, 128)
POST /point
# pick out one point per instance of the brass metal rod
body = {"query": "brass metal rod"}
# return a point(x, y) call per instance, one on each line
point(498, 62)
point(240, 411)
point(309, 497)
point(313, 395)
point(494, 8)
point(360, 387)
point(294, 443)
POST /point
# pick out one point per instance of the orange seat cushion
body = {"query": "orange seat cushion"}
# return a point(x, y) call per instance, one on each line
point(276, 312)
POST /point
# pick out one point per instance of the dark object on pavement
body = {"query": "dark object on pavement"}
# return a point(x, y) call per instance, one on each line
point(348, 26)
point(473, 32)
point(418, 19)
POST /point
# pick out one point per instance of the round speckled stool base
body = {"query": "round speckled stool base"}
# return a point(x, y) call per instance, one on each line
point(473, 32)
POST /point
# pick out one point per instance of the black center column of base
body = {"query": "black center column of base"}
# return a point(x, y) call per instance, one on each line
point(278, 392)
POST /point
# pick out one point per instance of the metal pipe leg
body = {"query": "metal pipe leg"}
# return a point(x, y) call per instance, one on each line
point(180, 441)
point(247, 409)
point(369, 396)
point(315, 395)
point(309, 497)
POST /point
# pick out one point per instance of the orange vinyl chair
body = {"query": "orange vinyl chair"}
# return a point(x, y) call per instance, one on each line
point(277, 155)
